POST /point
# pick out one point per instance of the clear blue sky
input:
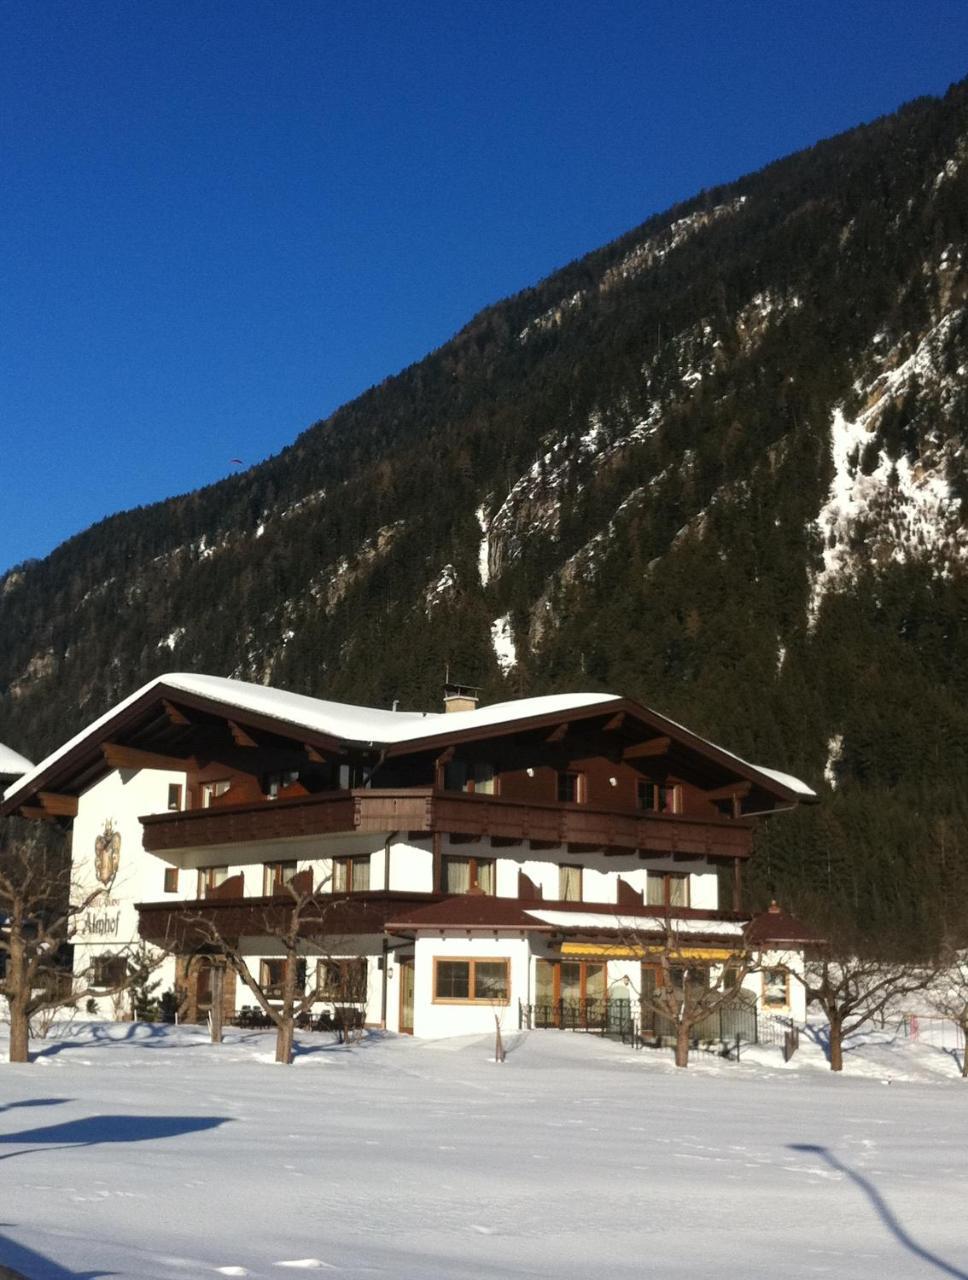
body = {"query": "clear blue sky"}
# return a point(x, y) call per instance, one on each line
point(221, 220)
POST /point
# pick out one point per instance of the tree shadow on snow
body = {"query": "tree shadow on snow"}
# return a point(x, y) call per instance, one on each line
point(93, 1131)
point(93, 1035)
point(36, 1266)
point(881, 1208)
point(33, 1102)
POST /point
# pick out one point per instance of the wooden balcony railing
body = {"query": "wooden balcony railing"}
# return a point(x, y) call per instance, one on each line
point(455, 813)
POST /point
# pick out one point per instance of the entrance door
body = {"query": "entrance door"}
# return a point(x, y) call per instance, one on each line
point(406, 996)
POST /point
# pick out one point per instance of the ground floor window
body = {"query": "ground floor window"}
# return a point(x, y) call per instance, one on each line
point(574, 981)
point(776, 988)
point(472, 981)
point(342, 979)
point(108, 971)
point(272, 978)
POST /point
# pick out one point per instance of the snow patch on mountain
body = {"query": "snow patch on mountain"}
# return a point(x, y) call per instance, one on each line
point(502, 642)
point(533, 505)
point(484, 547)
point(441, 590)
point(885, 510)
point(171, 639)
point(835, 751)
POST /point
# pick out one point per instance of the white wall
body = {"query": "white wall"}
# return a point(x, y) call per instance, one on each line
point(432, 1020)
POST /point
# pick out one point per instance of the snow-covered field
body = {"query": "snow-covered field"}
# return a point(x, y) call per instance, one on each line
point(139, 1151)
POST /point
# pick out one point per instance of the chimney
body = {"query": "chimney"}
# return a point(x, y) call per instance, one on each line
point(460, 697)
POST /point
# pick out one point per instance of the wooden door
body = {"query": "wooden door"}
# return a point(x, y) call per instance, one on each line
point(406, 997)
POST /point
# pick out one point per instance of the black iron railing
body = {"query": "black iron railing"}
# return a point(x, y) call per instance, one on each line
point(730, 1025)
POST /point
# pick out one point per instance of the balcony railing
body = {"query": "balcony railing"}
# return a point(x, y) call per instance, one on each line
point(424, 810)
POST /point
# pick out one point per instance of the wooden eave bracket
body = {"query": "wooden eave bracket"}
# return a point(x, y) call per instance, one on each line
point(117, 756)
point(644, 750)
point(559, 732)
point(175, 715)
point(239, 735)
point(731, 789)
point(56, 805)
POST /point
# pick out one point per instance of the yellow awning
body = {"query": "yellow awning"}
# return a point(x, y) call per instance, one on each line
point(622, 951)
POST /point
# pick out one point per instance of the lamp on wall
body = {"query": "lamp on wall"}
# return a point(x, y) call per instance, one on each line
point(529, 771)
point(613, 782)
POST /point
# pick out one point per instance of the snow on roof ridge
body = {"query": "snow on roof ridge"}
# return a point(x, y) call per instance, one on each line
point(12, 762)
point(336, 719)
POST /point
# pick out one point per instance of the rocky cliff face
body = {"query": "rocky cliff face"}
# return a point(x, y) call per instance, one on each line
point(718, 465)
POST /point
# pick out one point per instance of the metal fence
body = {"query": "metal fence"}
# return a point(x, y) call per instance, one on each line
point(723, 1030)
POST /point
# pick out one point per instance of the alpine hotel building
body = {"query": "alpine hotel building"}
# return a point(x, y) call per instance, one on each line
point(468, 862)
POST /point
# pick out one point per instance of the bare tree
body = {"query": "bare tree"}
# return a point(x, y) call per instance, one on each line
point(40, 906)
point(687, 989)
point(854, 990)
point(948, 995)
point(297, 925)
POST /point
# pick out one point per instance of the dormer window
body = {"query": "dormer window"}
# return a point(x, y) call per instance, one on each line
point(659, 797)
point(211, 791)
point(571, 788)
point(476, 777)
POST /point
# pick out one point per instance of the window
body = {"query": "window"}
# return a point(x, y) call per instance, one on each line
point(171, 879)
point(569, 884)
point(472, 981)
point(659, 797)
point(776, 988)
point(174, 797)
point(272, 978)
point(276, 875)
point(342, 979)
point(475, 776)
point(571, 788)
point(351, 875)
point(668, 890)
point(210, 878)
point(469, 875)
point(108, 971)
point(212, 790)
point(273, 783)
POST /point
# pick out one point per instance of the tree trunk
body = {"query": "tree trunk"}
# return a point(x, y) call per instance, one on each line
point(284, 1041)
point(19, 1030)
point(964, 1050)
point(682, 1044)
point(836, 1045)
point(218, 1000)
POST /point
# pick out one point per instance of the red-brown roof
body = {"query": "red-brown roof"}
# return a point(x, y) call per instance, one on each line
point(777, 926)
point(470, 911)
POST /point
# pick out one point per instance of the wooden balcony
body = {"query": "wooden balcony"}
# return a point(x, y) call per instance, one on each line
point(421, 810)
point(187, 924)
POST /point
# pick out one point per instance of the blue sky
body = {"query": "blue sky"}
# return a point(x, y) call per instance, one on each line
point(220, 221)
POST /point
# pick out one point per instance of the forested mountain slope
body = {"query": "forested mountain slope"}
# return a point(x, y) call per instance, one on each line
point(717, 465)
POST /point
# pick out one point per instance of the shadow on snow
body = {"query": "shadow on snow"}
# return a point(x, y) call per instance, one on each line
point(93, 1131)
point(881, 1208)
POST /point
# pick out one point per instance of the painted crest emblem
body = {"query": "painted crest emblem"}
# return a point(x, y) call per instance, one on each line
point(107, 853)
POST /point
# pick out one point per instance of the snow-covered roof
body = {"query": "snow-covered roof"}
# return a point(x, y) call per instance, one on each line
point(615, 919)
point(348, 723)
point(12, 763)
point(371, 726)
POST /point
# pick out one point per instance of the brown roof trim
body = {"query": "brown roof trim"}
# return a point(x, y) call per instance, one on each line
point(86, 752)
point(610, 706)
